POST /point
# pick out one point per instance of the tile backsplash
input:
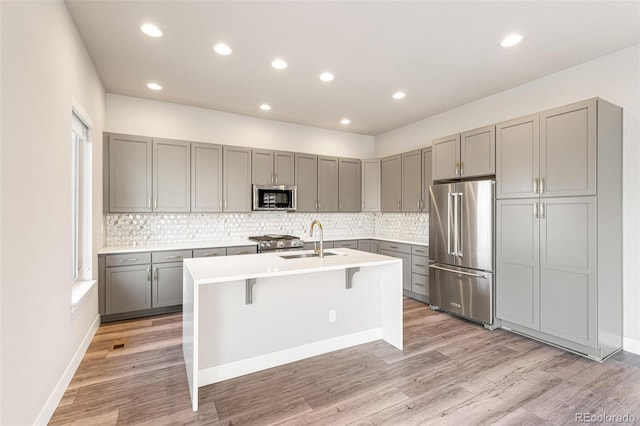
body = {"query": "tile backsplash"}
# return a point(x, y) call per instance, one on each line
point(158, 228)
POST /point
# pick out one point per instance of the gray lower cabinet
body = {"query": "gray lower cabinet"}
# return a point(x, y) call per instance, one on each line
point(391, 184)
point(415, 267)
point(128, 288)
point(237, 250)
point(166, 289)
point(206, 178)
point(364, 245)
point(237, 179)
point(328, 184)
point(546, 266)
point(128, 173)
point(351, 244)
point(306, 179)
point(210, 252)
point(171, 176)
point(375, 246)
point(406, 266)
point(349, 185)
point(420, 275)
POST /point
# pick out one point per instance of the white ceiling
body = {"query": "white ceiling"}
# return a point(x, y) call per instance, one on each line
point(441, 53)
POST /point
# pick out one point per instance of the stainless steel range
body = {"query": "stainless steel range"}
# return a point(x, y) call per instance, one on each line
point(271, 243)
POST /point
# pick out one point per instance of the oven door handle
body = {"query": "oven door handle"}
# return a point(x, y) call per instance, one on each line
point(470, 274)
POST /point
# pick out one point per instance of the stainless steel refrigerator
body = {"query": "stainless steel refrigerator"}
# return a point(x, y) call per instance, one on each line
point(461, 244)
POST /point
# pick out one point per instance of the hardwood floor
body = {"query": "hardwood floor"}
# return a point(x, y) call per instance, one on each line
point(450, 372)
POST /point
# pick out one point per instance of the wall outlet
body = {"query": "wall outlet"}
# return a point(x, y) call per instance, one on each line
point(332, 315)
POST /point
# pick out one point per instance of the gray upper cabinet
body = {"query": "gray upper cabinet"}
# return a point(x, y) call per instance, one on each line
point(478, 152)
point(171, 176)
point(272, 167)
point(465, 155)
point(551, 154)
point(427, 178)
point(306, 179)
point(130, 178)
point(371, 185)
point(262, 166)
point(517, 158)
point(237, 179)
point(568, 150)
point(391, 184)
point(206, 178)
point(328, 184)
point(412, 181)
point(446, 157)
point(349, 186)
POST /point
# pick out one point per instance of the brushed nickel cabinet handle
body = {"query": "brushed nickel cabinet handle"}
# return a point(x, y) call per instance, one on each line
point(155, 203)
point(462, 168)
point(149, 202)
point(209, 254)
point(149, 274)
point(174, 257)
point(155, 274)
point(421, 285)
point(457, 168)
point(535, 185)
point(220, 201)
point(535, 210)
point(542, 185)
point(133, 259)
point(542, 212)
point(398, 205)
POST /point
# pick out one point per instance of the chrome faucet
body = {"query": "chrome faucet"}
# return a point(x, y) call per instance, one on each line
point(314, 223)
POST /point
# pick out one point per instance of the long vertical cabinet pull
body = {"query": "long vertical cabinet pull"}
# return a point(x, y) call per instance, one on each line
point(155, 274)
point(535, 185)
point(459, 228)
point(542, 185)
point(535, 210)
point(542, 212)
point(149, 273)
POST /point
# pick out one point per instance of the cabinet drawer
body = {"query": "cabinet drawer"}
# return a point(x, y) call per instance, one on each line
point(210, 252)
point(420, 284)
point(419, 265)
point(420, 250)
point(128, 259)
point(352, 244)
point(232, 251)
point(397, 247)
point(170, 256)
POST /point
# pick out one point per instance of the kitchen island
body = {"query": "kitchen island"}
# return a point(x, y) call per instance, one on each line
point(244, 314)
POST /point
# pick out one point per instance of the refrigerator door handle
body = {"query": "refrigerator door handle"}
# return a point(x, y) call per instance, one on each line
point(460, 227)
point(455, 224)
point(449, 224)
point(470, 274)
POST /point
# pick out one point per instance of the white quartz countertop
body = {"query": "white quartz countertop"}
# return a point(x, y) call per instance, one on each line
point(211, 270)
point(247, 242)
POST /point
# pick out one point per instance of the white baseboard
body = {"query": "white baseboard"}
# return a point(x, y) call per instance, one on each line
point(58, 392)
point(207, 376)
point(631, 345)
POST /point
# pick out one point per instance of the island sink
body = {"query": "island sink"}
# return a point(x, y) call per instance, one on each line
point(304, 255)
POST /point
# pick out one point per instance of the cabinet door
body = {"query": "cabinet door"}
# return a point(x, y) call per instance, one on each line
point(478, 152)
point(262, 166)
point(129, 173)
point(518, 262)
point(446, 157)
point(283, 168)
point(327, 184)
point(349, 186)
point(406, 266)
point(375, 246)
point(127, 289)
point(391, 184)
point(237, 179)
point(568, 150)
point(364, 245)
point(370, 185)
point(568, 288)
point(306, 171)
point(171, 176)
point(518, 158)
point(427, 178)
point(206, 178)
point(167, 285)
point(412, 181)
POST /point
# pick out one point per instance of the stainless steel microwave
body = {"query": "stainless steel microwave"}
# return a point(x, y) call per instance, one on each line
point(275, 197)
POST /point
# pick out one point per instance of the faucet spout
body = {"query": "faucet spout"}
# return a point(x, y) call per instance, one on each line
point(313, 224)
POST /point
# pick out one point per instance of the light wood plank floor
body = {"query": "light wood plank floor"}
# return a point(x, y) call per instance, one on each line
point(450, 372)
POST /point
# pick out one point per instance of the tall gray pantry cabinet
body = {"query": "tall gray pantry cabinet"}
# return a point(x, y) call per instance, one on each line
point(559, 226)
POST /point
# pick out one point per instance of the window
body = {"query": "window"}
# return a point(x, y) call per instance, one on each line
point(80, 200)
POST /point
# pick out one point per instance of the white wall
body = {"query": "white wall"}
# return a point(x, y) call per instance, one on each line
point(44, 65)
point(153, 118)
point(615, 78)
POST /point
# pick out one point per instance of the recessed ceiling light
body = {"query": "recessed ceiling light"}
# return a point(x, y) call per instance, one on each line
point(399, 95)
point(222, 49)
point(345, 121)
point(511, 40)
point(326, 76)
point(265, 107)
point(279, 64)
point(151, 30)
point(154, 86)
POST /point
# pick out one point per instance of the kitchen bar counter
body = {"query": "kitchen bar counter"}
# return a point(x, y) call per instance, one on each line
point(248, 313)
point(246, 242)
